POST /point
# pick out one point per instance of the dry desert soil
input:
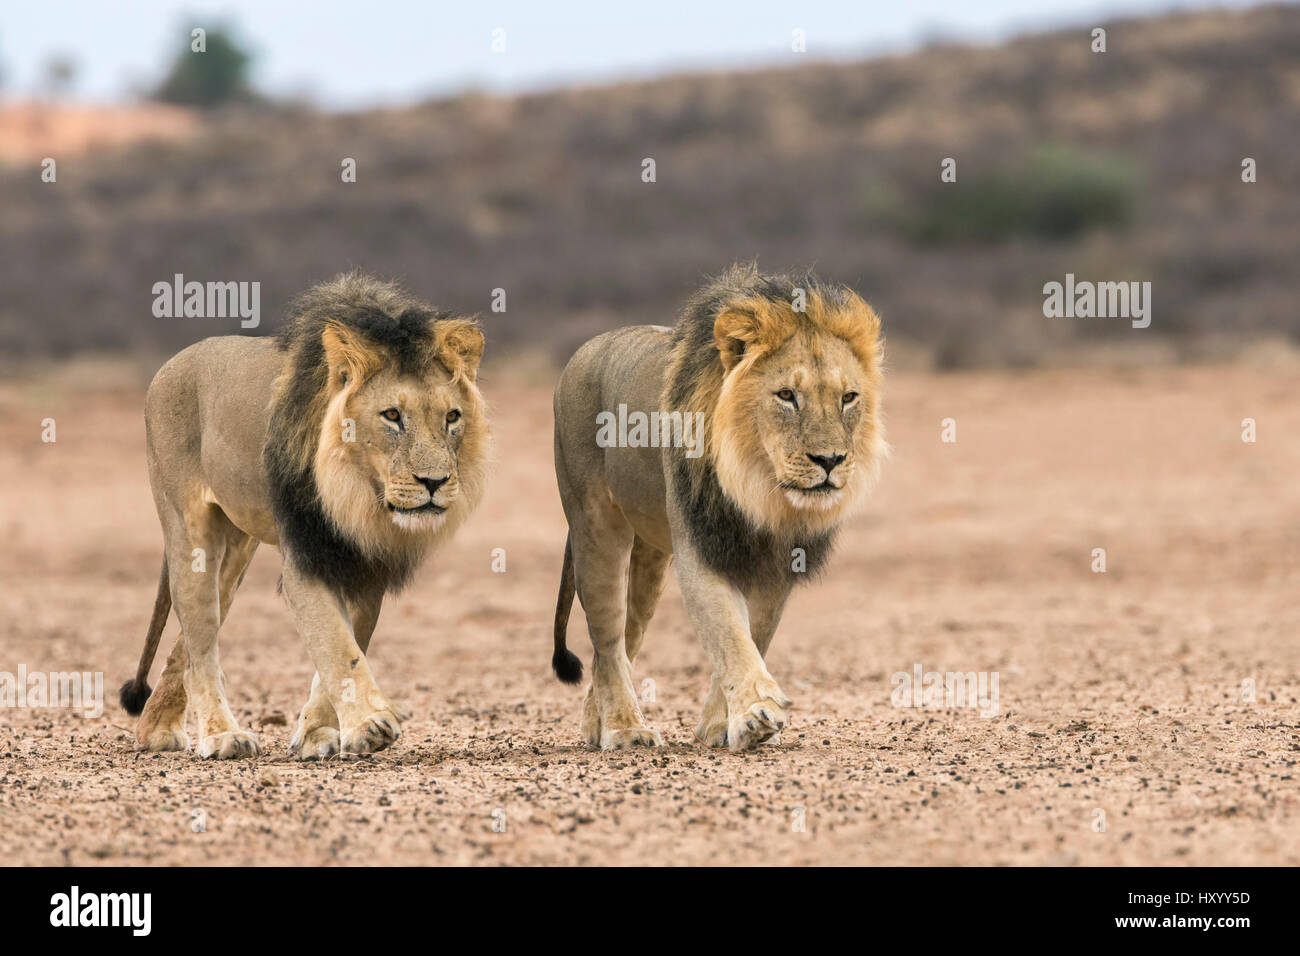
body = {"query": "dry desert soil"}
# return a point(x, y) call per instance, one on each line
point(1146, 715)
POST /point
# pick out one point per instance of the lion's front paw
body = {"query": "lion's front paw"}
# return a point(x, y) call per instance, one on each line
point(630, 737)
point(228, 745)
point(756, 715)
point(373, 733)
point(315, 744)
point(755, 725)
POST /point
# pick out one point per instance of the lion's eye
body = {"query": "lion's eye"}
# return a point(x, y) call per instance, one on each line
point(392, 414)
point(786, 395)
point(453, 416)
point(850, 398)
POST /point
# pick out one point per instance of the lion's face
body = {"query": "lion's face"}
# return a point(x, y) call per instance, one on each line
point(808, 411)
point(797, 436)
point(408, 438)
point(402, 454)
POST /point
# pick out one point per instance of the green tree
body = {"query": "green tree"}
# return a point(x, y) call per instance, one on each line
point(218, 74)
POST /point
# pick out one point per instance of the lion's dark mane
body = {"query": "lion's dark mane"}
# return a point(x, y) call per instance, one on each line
point(721, 534)
point(403, 328)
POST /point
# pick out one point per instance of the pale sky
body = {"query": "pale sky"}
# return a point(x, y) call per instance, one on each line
point(392, 52)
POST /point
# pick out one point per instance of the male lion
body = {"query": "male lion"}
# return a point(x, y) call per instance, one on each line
point(354, 441)
point(786, 372)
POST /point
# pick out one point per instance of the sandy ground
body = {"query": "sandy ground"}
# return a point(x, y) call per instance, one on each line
point(1120, 694)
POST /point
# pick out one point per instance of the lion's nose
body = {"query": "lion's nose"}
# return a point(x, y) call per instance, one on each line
point(826, 461)
point(433, 484)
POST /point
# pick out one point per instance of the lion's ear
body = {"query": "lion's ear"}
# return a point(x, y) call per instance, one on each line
point(733, 332)
point(858, 324)
point(351, 359)
point(751, 325)
point(460, 346)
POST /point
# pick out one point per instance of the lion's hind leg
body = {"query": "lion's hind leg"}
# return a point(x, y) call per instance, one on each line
point(647, 572)
point(317, 734)
point(206, 557)
point(611, 717)
point(162, 723)
point(645, 583)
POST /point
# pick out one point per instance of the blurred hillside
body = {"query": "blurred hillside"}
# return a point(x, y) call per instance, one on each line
point(1117, 166)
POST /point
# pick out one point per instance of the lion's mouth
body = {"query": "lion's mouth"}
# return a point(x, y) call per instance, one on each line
point(427, 508)
point(824, 488)
point(819, 497)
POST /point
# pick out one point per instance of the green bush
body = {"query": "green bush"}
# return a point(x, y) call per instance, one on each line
point(1056, 193)
point(218, 75)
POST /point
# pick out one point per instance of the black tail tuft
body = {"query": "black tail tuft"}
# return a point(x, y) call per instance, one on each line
point(135, 692)
point(568, 667)
point(133, 696)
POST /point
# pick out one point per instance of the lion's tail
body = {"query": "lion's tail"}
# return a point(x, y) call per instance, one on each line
point(136, 692)
point(567, 666)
